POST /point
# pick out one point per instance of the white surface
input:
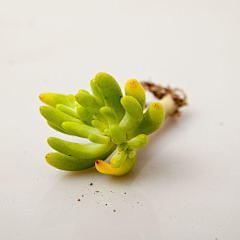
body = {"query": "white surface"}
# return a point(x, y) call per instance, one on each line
point(186, 180)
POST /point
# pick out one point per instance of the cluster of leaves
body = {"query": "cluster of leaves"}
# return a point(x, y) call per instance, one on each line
point(107, 118)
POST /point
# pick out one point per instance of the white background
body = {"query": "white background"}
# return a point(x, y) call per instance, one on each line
point(187, 180)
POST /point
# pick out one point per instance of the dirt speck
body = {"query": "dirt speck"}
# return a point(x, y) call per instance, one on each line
point(114, 210)
point(79, 200)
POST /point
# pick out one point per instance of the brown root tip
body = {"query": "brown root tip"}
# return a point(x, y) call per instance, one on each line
point(178, 95)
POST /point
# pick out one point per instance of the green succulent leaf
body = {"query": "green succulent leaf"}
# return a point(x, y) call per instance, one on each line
point(111, 93)
point(80, 151)
point(84, 114)
point(79, 129)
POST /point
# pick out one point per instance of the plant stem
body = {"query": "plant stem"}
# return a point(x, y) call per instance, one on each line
point(170, 107)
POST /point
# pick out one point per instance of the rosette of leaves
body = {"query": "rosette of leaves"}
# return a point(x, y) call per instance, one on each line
point(107, 118)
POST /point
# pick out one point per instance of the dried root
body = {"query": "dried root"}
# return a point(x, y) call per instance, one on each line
point(177, 95)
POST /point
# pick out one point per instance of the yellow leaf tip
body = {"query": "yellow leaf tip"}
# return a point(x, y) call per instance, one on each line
point(132, 83)
point(157, 105)
point(42, 96)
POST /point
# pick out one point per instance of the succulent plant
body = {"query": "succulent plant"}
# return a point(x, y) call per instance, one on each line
point(107, 118)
